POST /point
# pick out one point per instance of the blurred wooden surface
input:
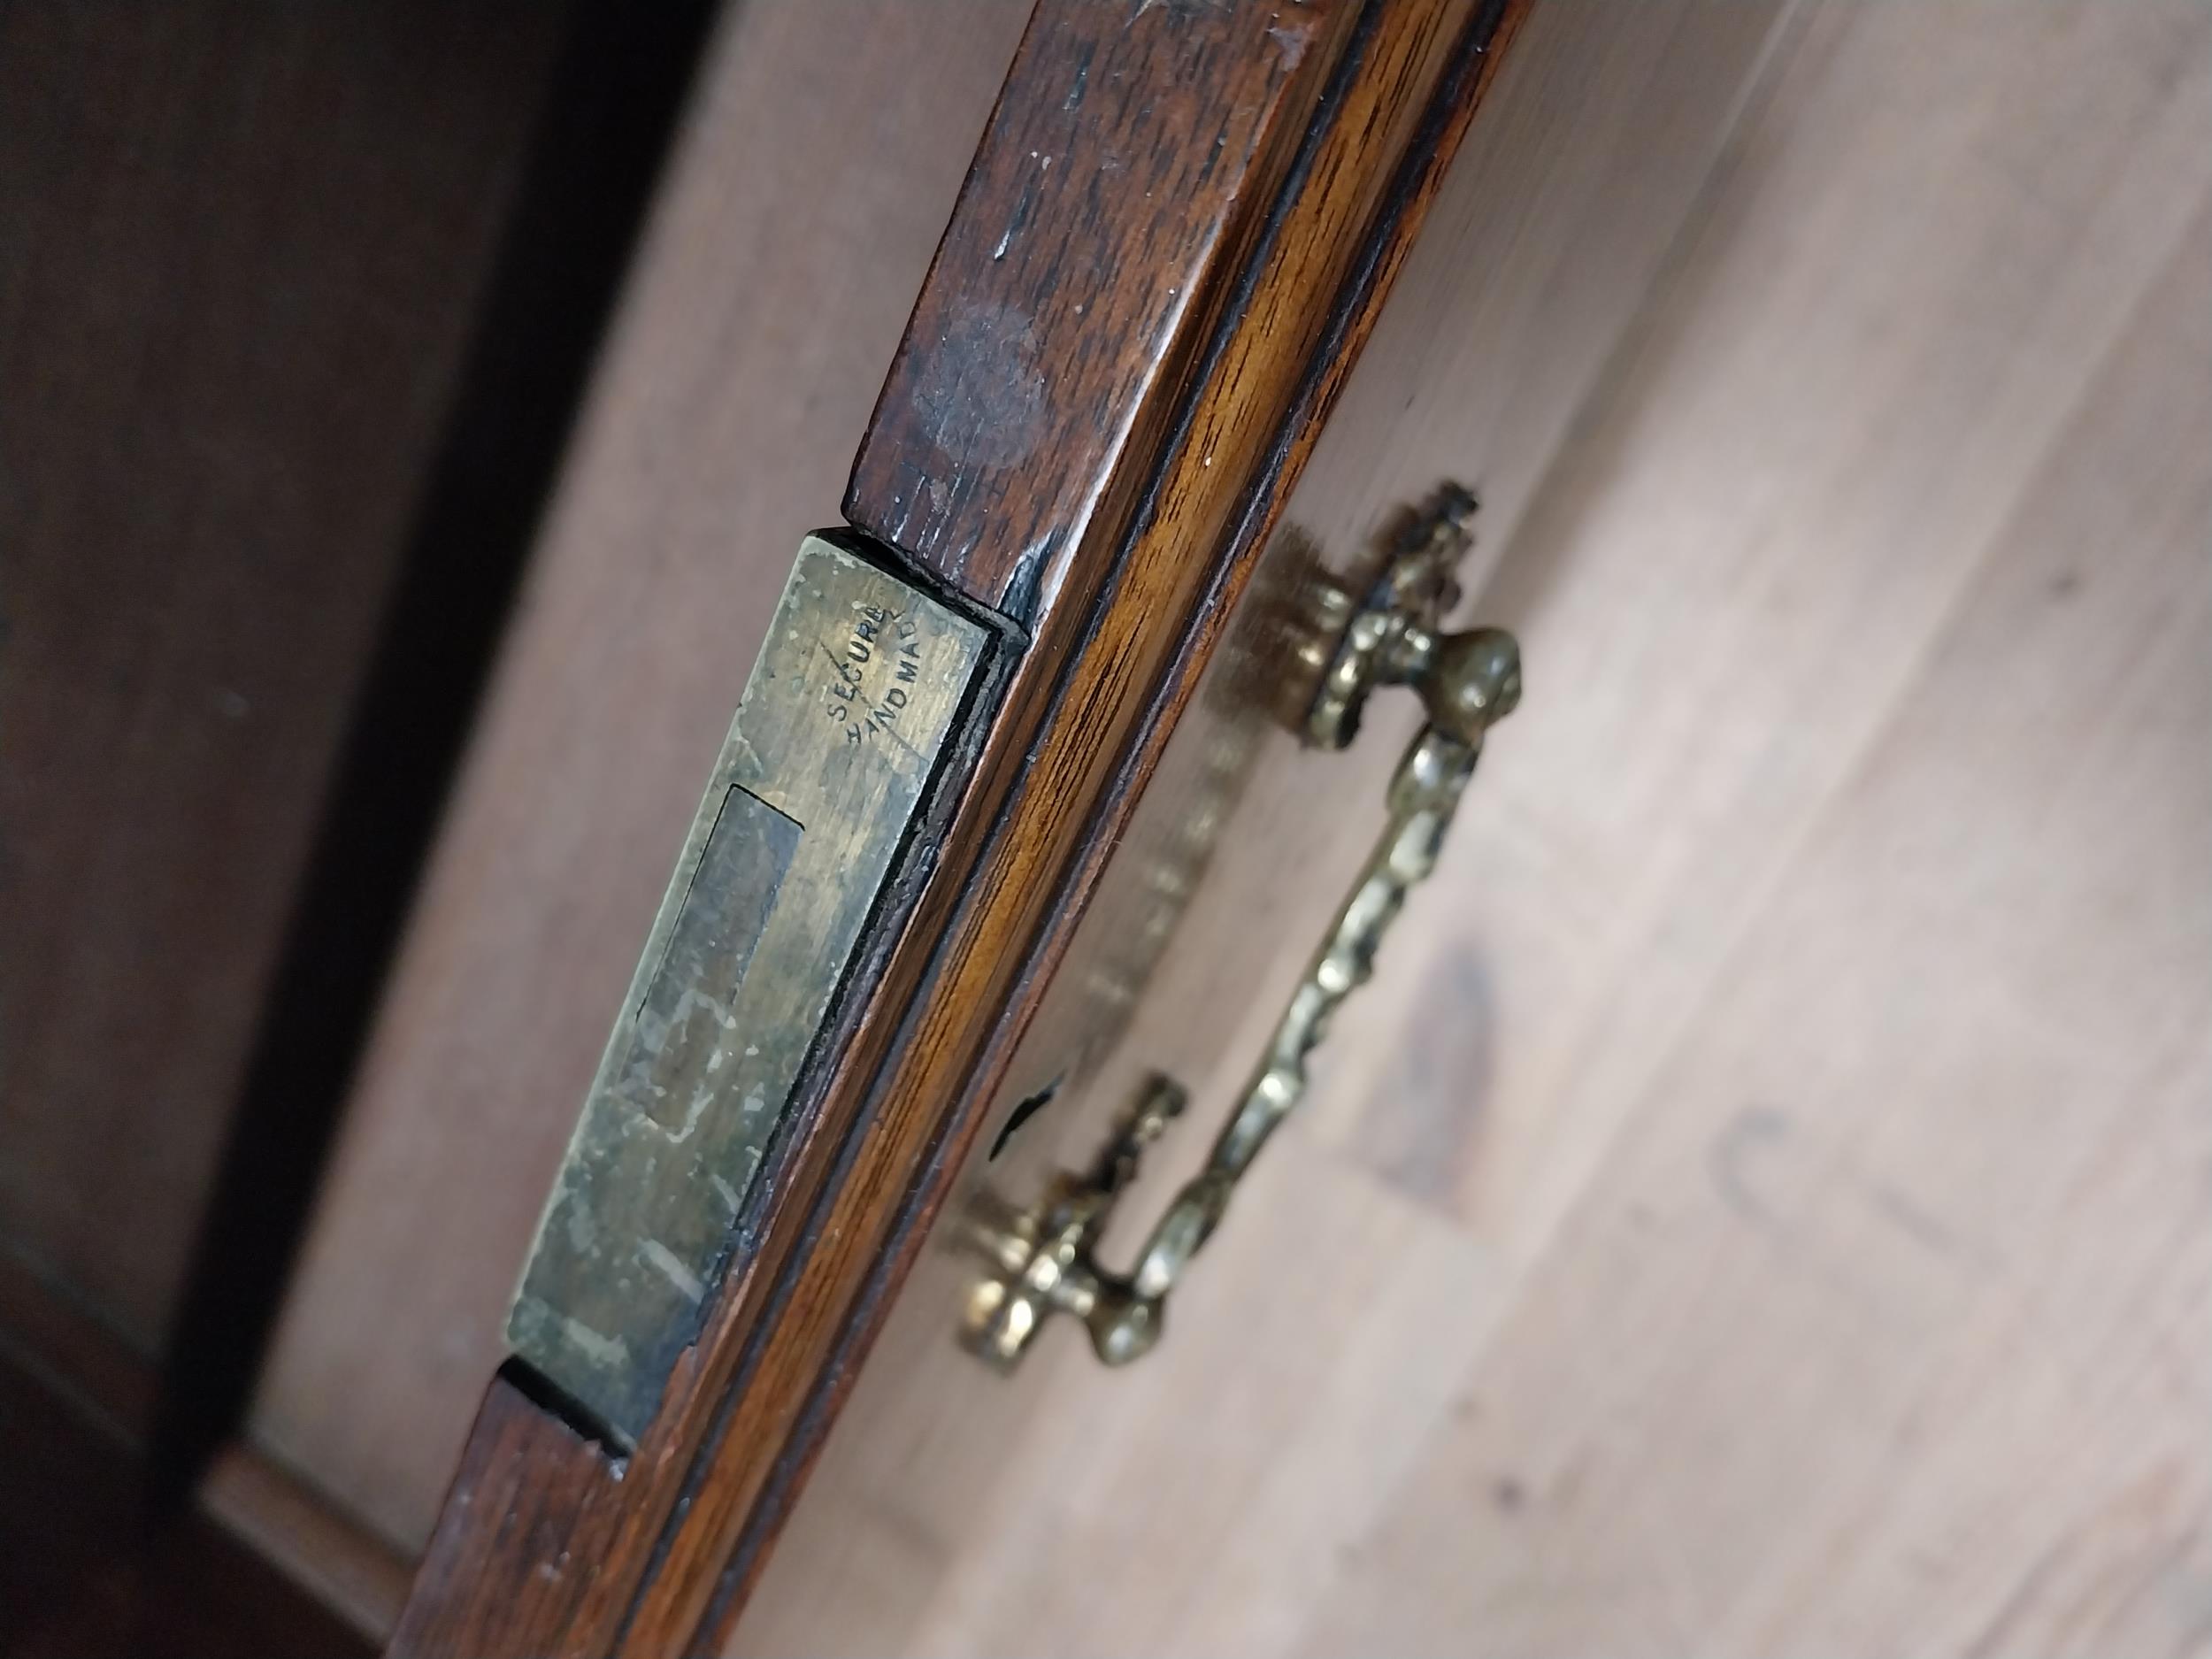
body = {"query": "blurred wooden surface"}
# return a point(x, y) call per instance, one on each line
point(83, 1576)
point(1762, 1206)
point(240, 257)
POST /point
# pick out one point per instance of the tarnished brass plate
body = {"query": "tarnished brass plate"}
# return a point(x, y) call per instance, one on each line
point(847, 710)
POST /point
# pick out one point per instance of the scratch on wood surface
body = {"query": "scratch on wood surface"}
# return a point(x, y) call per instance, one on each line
point(659, 1257)
point(602, 1349)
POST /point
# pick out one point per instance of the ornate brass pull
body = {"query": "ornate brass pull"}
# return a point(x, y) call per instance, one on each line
point(1041, 1260)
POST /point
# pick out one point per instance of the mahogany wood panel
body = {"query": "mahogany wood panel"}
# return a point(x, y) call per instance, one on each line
point(297, 1530)
point(244, 249)
point(1132, 150)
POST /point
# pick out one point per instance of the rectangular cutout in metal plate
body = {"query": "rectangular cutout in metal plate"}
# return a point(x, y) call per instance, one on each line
point(850, 706)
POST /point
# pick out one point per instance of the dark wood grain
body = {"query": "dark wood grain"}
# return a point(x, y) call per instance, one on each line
point(1132, 151)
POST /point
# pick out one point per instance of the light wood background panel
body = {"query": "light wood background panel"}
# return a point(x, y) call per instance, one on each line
point(815, 174)
point(1878, 1326)
point(1764, 1204)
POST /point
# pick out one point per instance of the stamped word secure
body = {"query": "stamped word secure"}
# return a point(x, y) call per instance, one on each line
point(832, 750)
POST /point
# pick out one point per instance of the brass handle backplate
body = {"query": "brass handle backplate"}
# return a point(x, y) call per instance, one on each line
point(1040, 1260)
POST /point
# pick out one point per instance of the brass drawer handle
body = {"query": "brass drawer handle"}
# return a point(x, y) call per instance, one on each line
point(1040, 1260)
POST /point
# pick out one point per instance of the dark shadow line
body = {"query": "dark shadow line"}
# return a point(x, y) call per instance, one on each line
point(601, 138)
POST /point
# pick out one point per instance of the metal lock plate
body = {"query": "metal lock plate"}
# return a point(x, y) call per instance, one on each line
point(849, 709)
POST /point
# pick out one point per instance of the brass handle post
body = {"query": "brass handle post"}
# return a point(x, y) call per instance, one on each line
point(1042, 1261)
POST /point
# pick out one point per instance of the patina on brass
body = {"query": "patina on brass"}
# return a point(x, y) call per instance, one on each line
point(846, 712)
point(1041, 1259)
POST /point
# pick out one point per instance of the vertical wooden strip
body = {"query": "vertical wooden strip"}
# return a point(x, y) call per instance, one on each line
point(1341, 230)
point(1129, 150)
point(1208, 376)
point(510, 1559)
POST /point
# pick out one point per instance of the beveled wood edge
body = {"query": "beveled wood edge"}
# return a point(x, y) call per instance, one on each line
point(1131, 151)
point(740, 1343)
point(1418, 176)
